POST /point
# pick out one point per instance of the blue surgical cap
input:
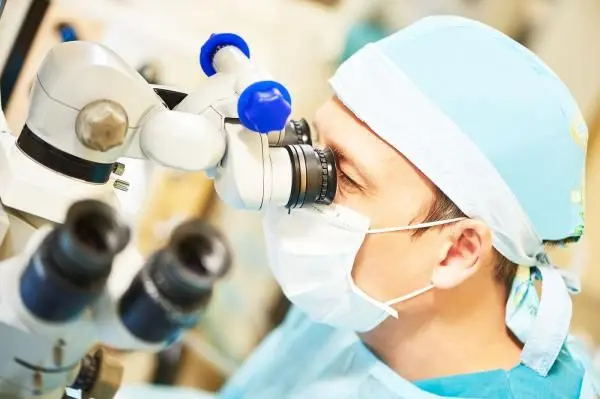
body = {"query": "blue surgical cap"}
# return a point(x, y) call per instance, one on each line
point(484, 118)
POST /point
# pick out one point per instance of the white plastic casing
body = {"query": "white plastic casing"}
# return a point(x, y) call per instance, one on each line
point(75, 74)
point(230, 60)
point(281, 176)
point(33, 188)
point(166, 139)
point(243, 179)
point(215, 90)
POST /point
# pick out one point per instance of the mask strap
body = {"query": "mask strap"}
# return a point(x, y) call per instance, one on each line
point(406, 297)
point(414, 226)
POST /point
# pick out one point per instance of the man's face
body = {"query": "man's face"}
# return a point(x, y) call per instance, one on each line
point(377, 181)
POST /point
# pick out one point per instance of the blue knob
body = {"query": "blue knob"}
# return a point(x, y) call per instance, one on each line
point(67, 32)
point(215, 42)
point(264, 106)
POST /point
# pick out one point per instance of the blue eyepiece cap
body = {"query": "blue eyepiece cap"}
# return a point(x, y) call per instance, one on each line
point(215, 42)
point(265, 106)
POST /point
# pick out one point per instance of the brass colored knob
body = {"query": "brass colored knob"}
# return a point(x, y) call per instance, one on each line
point(108, 376)
point(102, 125)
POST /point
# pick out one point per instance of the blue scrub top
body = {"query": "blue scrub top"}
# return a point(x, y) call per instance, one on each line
point(302, 359)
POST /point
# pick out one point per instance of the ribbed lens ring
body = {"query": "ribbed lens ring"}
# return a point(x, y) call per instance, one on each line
point(328, 176)
point(88, 373)
point(302, 131)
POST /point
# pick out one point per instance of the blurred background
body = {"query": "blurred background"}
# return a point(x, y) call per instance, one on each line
point(300, 42)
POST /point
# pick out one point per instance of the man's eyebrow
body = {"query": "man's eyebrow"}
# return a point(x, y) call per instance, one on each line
point(360, 169)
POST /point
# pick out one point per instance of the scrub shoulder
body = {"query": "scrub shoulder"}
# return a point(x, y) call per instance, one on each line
point(564, 381)
point(305, 359)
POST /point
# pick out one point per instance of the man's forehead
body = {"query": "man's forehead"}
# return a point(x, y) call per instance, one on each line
point(337, 126)
point(360, 145)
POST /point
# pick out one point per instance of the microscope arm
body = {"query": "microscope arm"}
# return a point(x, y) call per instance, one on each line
point(89, 108)
point(183, 141)
point(88, 102)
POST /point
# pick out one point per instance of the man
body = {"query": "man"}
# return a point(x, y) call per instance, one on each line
point(460, 154)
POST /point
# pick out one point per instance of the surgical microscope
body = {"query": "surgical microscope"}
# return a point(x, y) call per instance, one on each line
point(64, 243)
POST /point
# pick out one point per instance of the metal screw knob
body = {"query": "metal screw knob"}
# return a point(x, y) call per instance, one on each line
point(102, 125)
point(58, 353)
point(38, 383)
point(121, 185)
point(118, 168)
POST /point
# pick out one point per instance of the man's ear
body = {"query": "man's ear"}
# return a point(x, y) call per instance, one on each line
point(466, 243)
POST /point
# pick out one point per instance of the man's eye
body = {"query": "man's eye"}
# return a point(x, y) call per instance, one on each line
point(346, 183)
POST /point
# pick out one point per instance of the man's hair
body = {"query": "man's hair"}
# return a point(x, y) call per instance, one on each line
point(442, 208)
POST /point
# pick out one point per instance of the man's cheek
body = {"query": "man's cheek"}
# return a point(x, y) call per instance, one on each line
point(390, 265)
point(369, 271)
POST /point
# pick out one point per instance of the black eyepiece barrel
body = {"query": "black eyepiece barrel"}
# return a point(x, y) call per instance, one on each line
point(70, 268)
point(176, 284)
point(314, 176)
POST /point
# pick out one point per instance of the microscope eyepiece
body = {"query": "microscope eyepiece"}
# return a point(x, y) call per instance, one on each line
point(195, 258)
point(314, 179)
point(90, 238)
point(176, 283)
point(70, 268)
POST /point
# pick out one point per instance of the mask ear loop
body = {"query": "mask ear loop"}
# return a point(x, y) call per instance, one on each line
point(415, 226)
point(388, 308)
point(393, 312)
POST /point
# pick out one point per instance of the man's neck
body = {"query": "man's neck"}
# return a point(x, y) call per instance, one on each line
point(465, 334)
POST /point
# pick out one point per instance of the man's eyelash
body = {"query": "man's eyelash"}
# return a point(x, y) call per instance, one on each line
point(337, 153)
point(347, 182)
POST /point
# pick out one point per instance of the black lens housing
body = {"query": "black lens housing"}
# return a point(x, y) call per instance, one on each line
point(176, 284)
point(70, 268)
point(314, 176)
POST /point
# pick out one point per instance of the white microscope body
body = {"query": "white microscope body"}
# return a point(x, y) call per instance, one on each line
point(88, 109)
point(61, 279)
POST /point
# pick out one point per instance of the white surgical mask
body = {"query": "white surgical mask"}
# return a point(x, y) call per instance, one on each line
point(312, 251)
